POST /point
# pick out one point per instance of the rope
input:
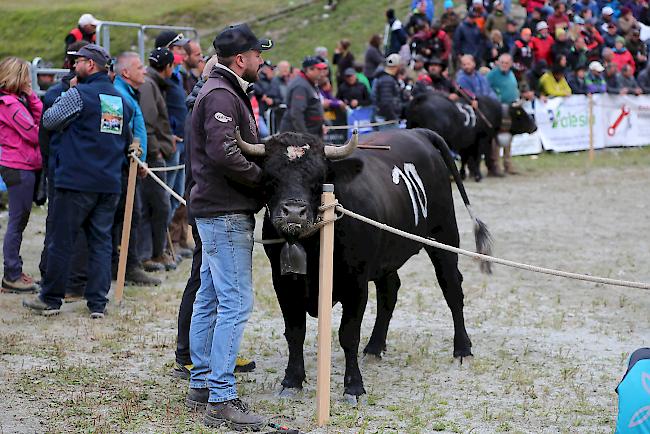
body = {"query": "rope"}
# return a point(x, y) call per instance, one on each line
point(168, 168)
point(349, 127)
point(433, 243)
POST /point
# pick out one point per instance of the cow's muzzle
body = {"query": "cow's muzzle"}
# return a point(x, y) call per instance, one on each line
point(293, 219)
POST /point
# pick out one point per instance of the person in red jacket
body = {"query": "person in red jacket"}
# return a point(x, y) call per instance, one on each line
point(85, 30)
point(20, 160)
point(622, 55)
point(559, 18)
point(541, 43)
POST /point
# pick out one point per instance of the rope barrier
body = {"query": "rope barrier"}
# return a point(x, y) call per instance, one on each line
point(433, 243)
point(373, 124)
point(167, 168)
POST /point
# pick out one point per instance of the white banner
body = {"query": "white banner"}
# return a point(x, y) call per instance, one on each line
point(526, 144)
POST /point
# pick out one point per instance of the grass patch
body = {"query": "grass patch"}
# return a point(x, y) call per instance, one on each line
point(579, 161)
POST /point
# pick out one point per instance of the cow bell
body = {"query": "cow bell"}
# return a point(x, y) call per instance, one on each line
point(293, 259)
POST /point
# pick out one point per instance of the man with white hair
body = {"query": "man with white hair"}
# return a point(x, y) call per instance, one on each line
point(85, 30)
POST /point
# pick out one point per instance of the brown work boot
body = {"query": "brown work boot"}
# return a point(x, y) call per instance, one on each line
point(235, 414)
point(166, 261)
point(23, 285)
point(150, 266)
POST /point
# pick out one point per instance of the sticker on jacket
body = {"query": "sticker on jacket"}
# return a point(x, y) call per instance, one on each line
point(112, 114)
point(222, 118)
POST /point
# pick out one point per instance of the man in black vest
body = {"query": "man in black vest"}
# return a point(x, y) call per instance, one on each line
point(93, 120)
point(223, 201)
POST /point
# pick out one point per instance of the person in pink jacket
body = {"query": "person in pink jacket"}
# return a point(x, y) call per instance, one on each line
point(20, 160)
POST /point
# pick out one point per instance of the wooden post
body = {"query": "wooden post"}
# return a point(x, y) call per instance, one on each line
point(126, 227)
point(591, 128)
point(325, 309)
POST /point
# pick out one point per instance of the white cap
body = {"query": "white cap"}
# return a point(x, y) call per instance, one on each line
point(596, 66)
point(393, 60)
point(607, 11)
point(86, 19)
point(541, 26)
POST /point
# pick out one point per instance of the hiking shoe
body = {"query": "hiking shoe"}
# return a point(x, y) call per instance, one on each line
point(244, 365)
point(235, 414)
point(166, 261)
point(137, 276)
point(197, 399)
point(23, 285)
point(39, 307)
point(182, 371)
point(97, 315)
point(149, 266)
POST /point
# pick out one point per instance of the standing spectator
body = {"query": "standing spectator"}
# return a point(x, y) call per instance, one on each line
point(358, 67)
point(626, 22)
point(386, 92)
point(352, 92)
point(592, 39)
point(497, 20)
point(471, 81)
point(263, 88)
point(223, 201)
point(522, 54)
point(533, 76)
point(373, 57)
point(280, 82)
point(85, 31)
point(629, 84)
point(562, 45)
point(191, 66)
point(417, 19)
point(578, 54)
point(533, 19)
point(426, 7)
point(541, 43)
point(644, 79)
point(161, 144)
point(606, 18)
point(610, 36)
point(559, 19)
point(607, 56)
point(497, 47)
point(622, 55)
point(594, 79)
point(20, 160)
point(449, 20)
point(590, 5)
point(613, 79)
point(93, 119)
point(469, 39)
point(638, 49)
point(553, 83)
point(511, 34)
point(129, 72)
point(394, 34)
point(343, 59)
point(304, 108)
point(577, 80)
point(329, 101)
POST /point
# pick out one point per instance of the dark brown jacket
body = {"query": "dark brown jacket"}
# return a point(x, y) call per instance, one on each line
point(156, 119)
point(226, 182)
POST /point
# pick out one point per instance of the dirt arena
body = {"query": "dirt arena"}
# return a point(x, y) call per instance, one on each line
point(548, 351)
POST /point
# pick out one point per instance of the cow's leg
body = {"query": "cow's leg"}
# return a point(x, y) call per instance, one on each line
point(464, 156)
point(475, 161)
point(387, 288)
point(450, 280)
point(289, 293)
point(354, 305)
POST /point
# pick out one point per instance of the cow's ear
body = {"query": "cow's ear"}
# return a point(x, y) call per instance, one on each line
point(343, 170)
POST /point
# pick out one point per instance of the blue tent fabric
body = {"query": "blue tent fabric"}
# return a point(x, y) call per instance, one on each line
point(634, 395)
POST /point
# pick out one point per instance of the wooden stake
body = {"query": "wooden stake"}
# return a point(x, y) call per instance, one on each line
point(325, 280)
point(591, 128)
point(126, 227)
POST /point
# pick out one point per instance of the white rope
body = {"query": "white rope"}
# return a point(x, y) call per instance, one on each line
point(487, 258)
point(349, 127)
point(167, 168)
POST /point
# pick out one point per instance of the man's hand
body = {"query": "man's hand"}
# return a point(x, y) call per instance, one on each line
point(136, 149)
point(267, 100)
point(142, 172)
point(475, 104)
point(354, 103)
point(624, 91)
point(74, 81)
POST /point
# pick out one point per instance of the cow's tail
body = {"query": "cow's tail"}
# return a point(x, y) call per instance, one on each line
point(481, 232)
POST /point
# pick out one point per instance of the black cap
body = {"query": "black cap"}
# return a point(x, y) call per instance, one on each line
point(349, 71)
point(239, 39)
point(437, 61)
point(93, 52)
point(313, 61)
point(269, 64)
point(160, 57)
point(168, 38)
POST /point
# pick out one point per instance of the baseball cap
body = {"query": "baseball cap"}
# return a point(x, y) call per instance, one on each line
point(313, 62)
point(607, 11)
point(87, 19)
point(349, 71)
point(93, 52)
point(239, 39)
point(596, 66)
point(269, 64)
point(541, 26)
point(160, 57)
point(437, 61)
point(449, 4)
point(393, 60)
point(169, 38)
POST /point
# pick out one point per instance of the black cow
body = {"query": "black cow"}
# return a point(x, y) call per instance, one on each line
point(406, 187)
point(467, 132)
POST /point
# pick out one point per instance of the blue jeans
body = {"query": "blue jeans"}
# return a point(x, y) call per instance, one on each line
point(223, 302)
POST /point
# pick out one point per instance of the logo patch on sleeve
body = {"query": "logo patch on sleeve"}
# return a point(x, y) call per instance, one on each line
point(222, 118)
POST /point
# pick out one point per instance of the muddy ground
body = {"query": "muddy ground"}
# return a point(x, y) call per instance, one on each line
point(548, 351)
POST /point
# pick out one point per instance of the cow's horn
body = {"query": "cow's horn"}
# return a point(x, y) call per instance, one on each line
point(255, 150)
point(337, 152)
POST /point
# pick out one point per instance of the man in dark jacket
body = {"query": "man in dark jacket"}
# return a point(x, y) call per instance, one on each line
point(161, 144)
point(394, 34)
point(93, 119)
point(264, 90)
point(468, 39)
point(644, 79)
point(223, 202)
point(352, 92)
point(386, 91)
point(304, 108)
point(577, 81)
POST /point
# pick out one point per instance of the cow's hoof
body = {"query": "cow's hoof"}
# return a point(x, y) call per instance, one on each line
point(289, 393)
point(354, 400)
point(371, 358)
point(463, 362)
point(478, 178)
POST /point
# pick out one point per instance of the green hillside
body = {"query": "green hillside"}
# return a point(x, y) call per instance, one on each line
point(31, 28)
